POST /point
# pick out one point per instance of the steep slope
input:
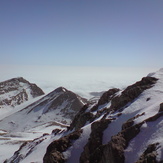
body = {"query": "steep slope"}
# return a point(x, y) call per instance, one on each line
point(16, 91)
point(59, 106)
point(123, 127)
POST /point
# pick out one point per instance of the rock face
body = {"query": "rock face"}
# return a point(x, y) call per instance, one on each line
point(15, 91)
point(132, 92)
point(106, 97)
point(161, 107)
point(83, 115)
point(117, 101)
point(107, 111)
point(92, 150)
point(149, 155)
point(114, 150)
point(54, 153)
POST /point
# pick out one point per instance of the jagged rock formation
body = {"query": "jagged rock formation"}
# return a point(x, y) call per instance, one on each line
point(107, 112)
point(132, 92)
point(83, 115)
point(15, 91)
point(54, 153)
point(117, 101)
point(124, 126)
point(92, 150)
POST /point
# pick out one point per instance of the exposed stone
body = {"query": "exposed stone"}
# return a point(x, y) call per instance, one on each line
point(81, 118)
point(161, 107)
point(92, 150)
point(148, 99)
point(155, 117)
point(113, 152)
point(54, 153)
point(130, 122)
point(17, 90)
point(131, 93)
point(149, 155)
point(106, 97)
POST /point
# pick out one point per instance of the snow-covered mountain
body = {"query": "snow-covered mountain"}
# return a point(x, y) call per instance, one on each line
point(123, 126)
point(59, 106)
point(16, 91)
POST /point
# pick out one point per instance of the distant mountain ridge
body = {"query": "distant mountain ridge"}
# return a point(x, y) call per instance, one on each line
point(16, 91)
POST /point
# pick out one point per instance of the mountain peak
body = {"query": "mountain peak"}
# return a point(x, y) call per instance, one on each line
point(60, 89)
point(16, 91)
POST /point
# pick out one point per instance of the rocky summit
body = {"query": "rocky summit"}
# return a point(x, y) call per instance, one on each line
point(123, 126)
point(16, 91)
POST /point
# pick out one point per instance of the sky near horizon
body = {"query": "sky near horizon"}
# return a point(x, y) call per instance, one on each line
point(81, 32)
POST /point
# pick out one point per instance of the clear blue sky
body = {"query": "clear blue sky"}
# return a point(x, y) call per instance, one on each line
point(81, 32)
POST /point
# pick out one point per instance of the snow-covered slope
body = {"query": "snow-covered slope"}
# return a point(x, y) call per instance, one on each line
point(124, 126)
point(53, 111)
point(59, 106)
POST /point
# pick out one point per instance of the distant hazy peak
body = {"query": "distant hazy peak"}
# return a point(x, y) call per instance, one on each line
point(16, 91)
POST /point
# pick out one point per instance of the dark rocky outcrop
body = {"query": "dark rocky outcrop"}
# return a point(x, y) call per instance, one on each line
point(161, 107)
point(54, 153)
point(131, 93)
point(149, 155)
point(130, 122)
point(113, 152)
point(19, 91)
point(118, 102)
point(92, 150)
point(105, 98)
point(81, 118)
point(84, 116)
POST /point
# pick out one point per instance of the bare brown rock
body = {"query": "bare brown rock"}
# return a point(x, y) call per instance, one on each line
point(161, 107)
point(131, 93)
point(54, 153)
point(83, 117)
point(149, 155)
point(92, 150)
point(106, 97)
